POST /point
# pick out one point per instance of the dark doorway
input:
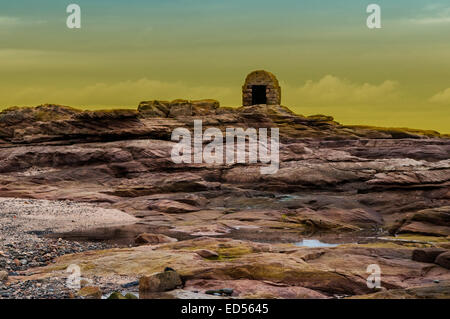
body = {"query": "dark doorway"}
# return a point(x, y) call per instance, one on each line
point(259, 94)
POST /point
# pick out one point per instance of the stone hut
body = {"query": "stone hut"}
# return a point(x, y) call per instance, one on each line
point(261, 87)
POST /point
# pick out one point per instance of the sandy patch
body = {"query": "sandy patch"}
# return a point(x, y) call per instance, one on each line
point(58, 216)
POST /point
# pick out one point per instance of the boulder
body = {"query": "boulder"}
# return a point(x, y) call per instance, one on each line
point(443, 260)
point(427, 255)
point(153, 239)
point(90, 292)
point(3, 275)
point(116, 295)
point(85, 283)
point(159, 282)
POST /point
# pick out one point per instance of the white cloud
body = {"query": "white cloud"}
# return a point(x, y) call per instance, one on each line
point(8, 21)
point(331, 90)
point(120, 94)
point(327, 91)
point(431, 20)
point(435, 14)
point(441, 97)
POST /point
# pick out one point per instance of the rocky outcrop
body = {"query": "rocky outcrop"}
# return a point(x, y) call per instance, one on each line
point(154, 108)
point(253, 269)
point(157, 119)
point(315, 189)
point(172, 207)
point(90, 292)
point(443, 260)
point(159, 282)
point(427, 255)
point(377, 193)
point(3, 275)
point(254, 289)
point(433, 221)
point(153, 239)
point(208, 254)
point(435, 291)
point(178, 108)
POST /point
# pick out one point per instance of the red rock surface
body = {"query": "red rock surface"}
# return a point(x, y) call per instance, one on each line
point(338, 183)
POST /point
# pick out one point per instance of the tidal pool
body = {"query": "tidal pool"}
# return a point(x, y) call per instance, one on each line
point(314, 243)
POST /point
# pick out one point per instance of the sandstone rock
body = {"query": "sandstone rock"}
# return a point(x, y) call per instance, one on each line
point(153, 239)
point(85, 283)
point(172, 207)
point(90, 292)
point(53, 123)
point(437, 291)
point(220, 292)
point(443, 260)
point(208, 254)
point(118, 295)
point(338, 270)
point(244, 288)
point(427, 255)
point(159, 282)
point(424, 229)
point(321, 118)
point(431, 221)
point(335, 219)
point(128, 168)
point(154, 108)
point(26, 115)
point(438, 216)
point(204, 107)
point(181, 294)
point(332, 179)
point(445, 245)
point(180, 108)
point(3, 275)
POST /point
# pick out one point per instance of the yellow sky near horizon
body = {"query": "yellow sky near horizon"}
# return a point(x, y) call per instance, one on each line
point(326, 59)
point(381, 104)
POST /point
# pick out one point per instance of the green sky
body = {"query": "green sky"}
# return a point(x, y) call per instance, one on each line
point(324, 56)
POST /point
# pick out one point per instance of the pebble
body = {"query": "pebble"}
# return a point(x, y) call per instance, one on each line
point(3, 275)
point(220, 292)
point(20, 251)
point(131, 284)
